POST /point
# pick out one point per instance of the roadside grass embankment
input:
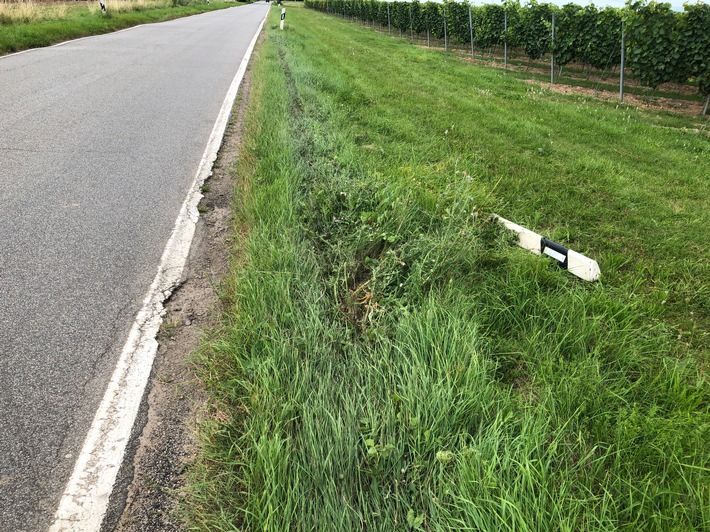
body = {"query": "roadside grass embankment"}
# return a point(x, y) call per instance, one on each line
point(25, 25)
point(389, 360)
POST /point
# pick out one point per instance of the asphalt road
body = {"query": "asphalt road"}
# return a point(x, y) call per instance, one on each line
point(100, 140)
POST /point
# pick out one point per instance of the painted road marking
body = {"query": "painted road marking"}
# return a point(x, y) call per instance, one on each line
point(85, 500)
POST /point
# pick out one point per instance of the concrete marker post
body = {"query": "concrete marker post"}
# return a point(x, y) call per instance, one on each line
point(576, 263)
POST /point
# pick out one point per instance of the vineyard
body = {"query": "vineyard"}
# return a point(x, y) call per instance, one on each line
point(656, 44)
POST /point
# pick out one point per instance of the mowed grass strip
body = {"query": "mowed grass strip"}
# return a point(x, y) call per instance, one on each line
point(27, 25)
point(390, 360)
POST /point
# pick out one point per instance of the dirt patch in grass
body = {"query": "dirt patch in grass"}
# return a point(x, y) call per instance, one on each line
point(677, 105)
point(659, 104)
point(167, 443)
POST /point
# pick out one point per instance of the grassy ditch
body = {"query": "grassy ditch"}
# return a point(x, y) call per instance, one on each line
point(389, 360)
point(25, 25)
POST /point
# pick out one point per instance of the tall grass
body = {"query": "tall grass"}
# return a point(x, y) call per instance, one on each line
point(127, 6)
point(26, 11)
point(32, 25)
point(389, 360)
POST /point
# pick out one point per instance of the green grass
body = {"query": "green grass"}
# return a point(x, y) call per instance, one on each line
point(389, 360)
point(82, 21)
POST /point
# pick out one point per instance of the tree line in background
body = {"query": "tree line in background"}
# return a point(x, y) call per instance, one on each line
point(661, 45)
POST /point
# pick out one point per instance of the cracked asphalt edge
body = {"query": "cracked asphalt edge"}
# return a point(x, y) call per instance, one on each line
point(85, 500)
point(166, 445)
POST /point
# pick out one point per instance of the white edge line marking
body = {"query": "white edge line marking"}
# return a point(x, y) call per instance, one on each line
point(577, 264)
point(85, 500)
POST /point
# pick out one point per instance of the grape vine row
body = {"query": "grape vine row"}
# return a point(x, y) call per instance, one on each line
point(661, 45)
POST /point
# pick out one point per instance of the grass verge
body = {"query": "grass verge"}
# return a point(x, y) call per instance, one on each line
point(24, 26)
point(389, 360)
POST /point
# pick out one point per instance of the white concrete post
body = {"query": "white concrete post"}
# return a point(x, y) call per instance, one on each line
point(575, 263)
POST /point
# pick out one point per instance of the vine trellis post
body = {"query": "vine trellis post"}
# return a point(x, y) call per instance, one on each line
point(621, 67)
point(446, 35)
point(552, 52)
point(505, 39)
point(470, 27)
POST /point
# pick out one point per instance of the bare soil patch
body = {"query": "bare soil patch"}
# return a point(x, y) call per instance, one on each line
point(661, 104)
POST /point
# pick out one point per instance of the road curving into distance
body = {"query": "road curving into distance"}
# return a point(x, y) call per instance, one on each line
point(100, 141)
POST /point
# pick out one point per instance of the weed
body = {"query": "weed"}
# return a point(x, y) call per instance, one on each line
point(170, 326)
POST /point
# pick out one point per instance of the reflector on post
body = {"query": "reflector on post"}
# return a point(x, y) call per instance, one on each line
point(554, 250)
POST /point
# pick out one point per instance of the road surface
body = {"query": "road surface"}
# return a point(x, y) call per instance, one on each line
point(100, 140)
